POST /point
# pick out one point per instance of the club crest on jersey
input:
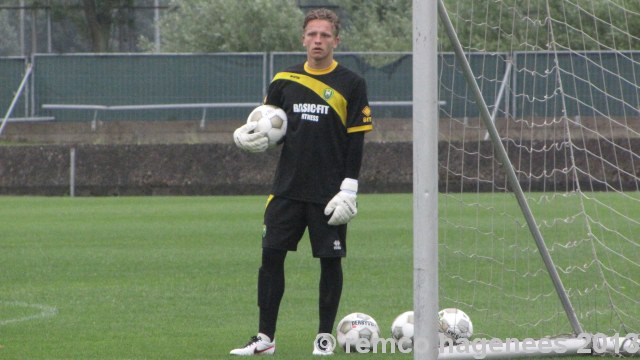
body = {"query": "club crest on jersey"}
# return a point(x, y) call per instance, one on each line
point(327, 93)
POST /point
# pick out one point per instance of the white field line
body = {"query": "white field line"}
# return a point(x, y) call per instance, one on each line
point(45, 311)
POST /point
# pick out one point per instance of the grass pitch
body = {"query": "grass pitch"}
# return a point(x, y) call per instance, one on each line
point(175, 277)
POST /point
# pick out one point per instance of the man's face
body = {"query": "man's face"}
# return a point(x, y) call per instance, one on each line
point(319, 40)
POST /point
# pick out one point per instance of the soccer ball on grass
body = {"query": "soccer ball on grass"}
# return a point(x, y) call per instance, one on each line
point(455, 324)
point(402, 329)
point(357, 330)
point(272, 121)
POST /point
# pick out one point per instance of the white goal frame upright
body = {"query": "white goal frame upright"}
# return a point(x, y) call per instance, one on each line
point(425, 179)
point(425, 208)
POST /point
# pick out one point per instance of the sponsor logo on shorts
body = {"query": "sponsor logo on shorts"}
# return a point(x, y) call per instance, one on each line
point(337, 245)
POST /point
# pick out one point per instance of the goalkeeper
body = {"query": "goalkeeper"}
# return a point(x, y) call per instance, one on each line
point(315, 183)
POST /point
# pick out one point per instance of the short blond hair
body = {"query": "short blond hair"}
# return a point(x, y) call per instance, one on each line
point(323, 14)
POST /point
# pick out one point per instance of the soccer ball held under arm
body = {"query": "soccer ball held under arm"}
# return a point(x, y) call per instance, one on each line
point(248, 140)
point(265, 127)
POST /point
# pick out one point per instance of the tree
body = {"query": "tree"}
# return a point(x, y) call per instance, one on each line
point(376, 25)
point(231, 26)
point(275, 25)
point(91, 25)
point(9, 44)
point(515, 25)
point(101, 15)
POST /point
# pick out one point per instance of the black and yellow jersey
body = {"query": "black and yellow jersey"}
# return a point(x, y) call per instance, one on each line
point(324, 109)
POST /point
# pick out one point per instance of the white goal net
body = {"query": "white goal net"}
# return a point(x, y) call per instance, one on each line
point(561, 81)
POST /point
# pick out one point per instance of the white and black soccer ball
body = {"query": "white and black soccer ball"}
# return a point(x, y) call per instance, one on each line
point(357, 330)
point(402, 330)
point(271, 120)
point(455, 324)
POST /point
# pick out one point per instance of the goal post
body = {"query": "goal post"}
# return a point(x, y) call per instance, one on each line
point(539, 172)
point(425, 179)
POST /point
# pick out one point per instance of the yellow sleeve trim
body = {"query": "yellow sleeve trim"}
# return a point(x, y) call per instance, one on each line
point(359, 128)
point(330, 95)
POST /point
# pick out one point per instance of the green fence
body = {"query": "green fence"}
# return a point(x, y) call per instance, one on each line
point(456, 97)
point(12, 70)
point(593, 83)
point(536, 83)
point(117, 80)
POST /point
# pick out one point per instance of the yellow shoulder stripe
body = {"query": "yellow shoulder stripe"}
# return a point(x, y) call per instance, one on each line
point(331, 96)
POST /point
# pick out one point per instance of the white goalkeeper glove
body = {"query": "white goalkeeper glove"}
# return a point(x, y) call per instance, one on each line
point(248, 141)
point(343, 205)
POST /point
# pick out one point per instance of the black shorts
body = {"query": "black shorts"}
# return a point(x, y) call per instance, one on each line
point(286, 220)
